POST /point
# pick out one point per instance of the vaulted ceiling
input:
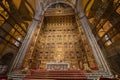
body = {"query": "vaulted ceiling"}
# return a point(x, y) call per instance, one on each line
point(27, 8)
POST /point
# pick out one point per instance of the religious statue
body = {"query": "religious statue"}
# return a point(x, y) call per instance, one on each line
point(59, 57)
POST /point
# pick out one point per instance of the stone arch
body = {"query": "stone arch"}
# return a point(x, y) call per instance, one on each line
point(64, 2)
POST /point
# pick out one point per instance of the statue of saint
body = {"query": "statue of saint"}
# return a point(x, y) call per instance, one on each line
point(59, 58)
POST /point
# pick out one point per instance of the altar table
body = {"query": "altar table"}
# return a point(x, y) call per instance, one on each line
point(57, 66)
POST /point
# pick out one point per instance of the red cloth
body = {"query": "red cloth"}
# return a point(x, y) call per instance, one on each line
point(3, 77)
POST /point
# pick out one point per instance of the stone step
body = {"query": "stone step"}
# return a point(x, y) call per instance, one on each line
point(63, 76)
point(57, 78)
point(59, 75)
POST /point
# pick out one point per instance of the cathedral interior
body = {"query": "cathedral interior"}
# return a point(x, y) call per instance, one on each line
point(36, 32)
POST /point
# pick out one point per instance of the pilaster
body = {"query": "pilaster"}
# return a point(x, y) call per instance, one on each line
point(100, 59)
point(30, 34)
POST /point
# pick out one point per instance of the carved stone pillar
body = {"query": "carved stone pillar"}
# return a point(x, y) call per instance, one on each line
point(32, 33)
point(101, 62)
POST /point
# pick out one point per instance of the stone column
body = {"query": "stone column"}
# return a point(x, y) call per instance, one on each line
point(22, 51)
point(101, 62)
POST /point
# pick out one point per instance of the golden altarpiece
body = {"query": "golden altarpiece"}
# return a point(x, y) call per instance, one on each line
point(60, 39)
